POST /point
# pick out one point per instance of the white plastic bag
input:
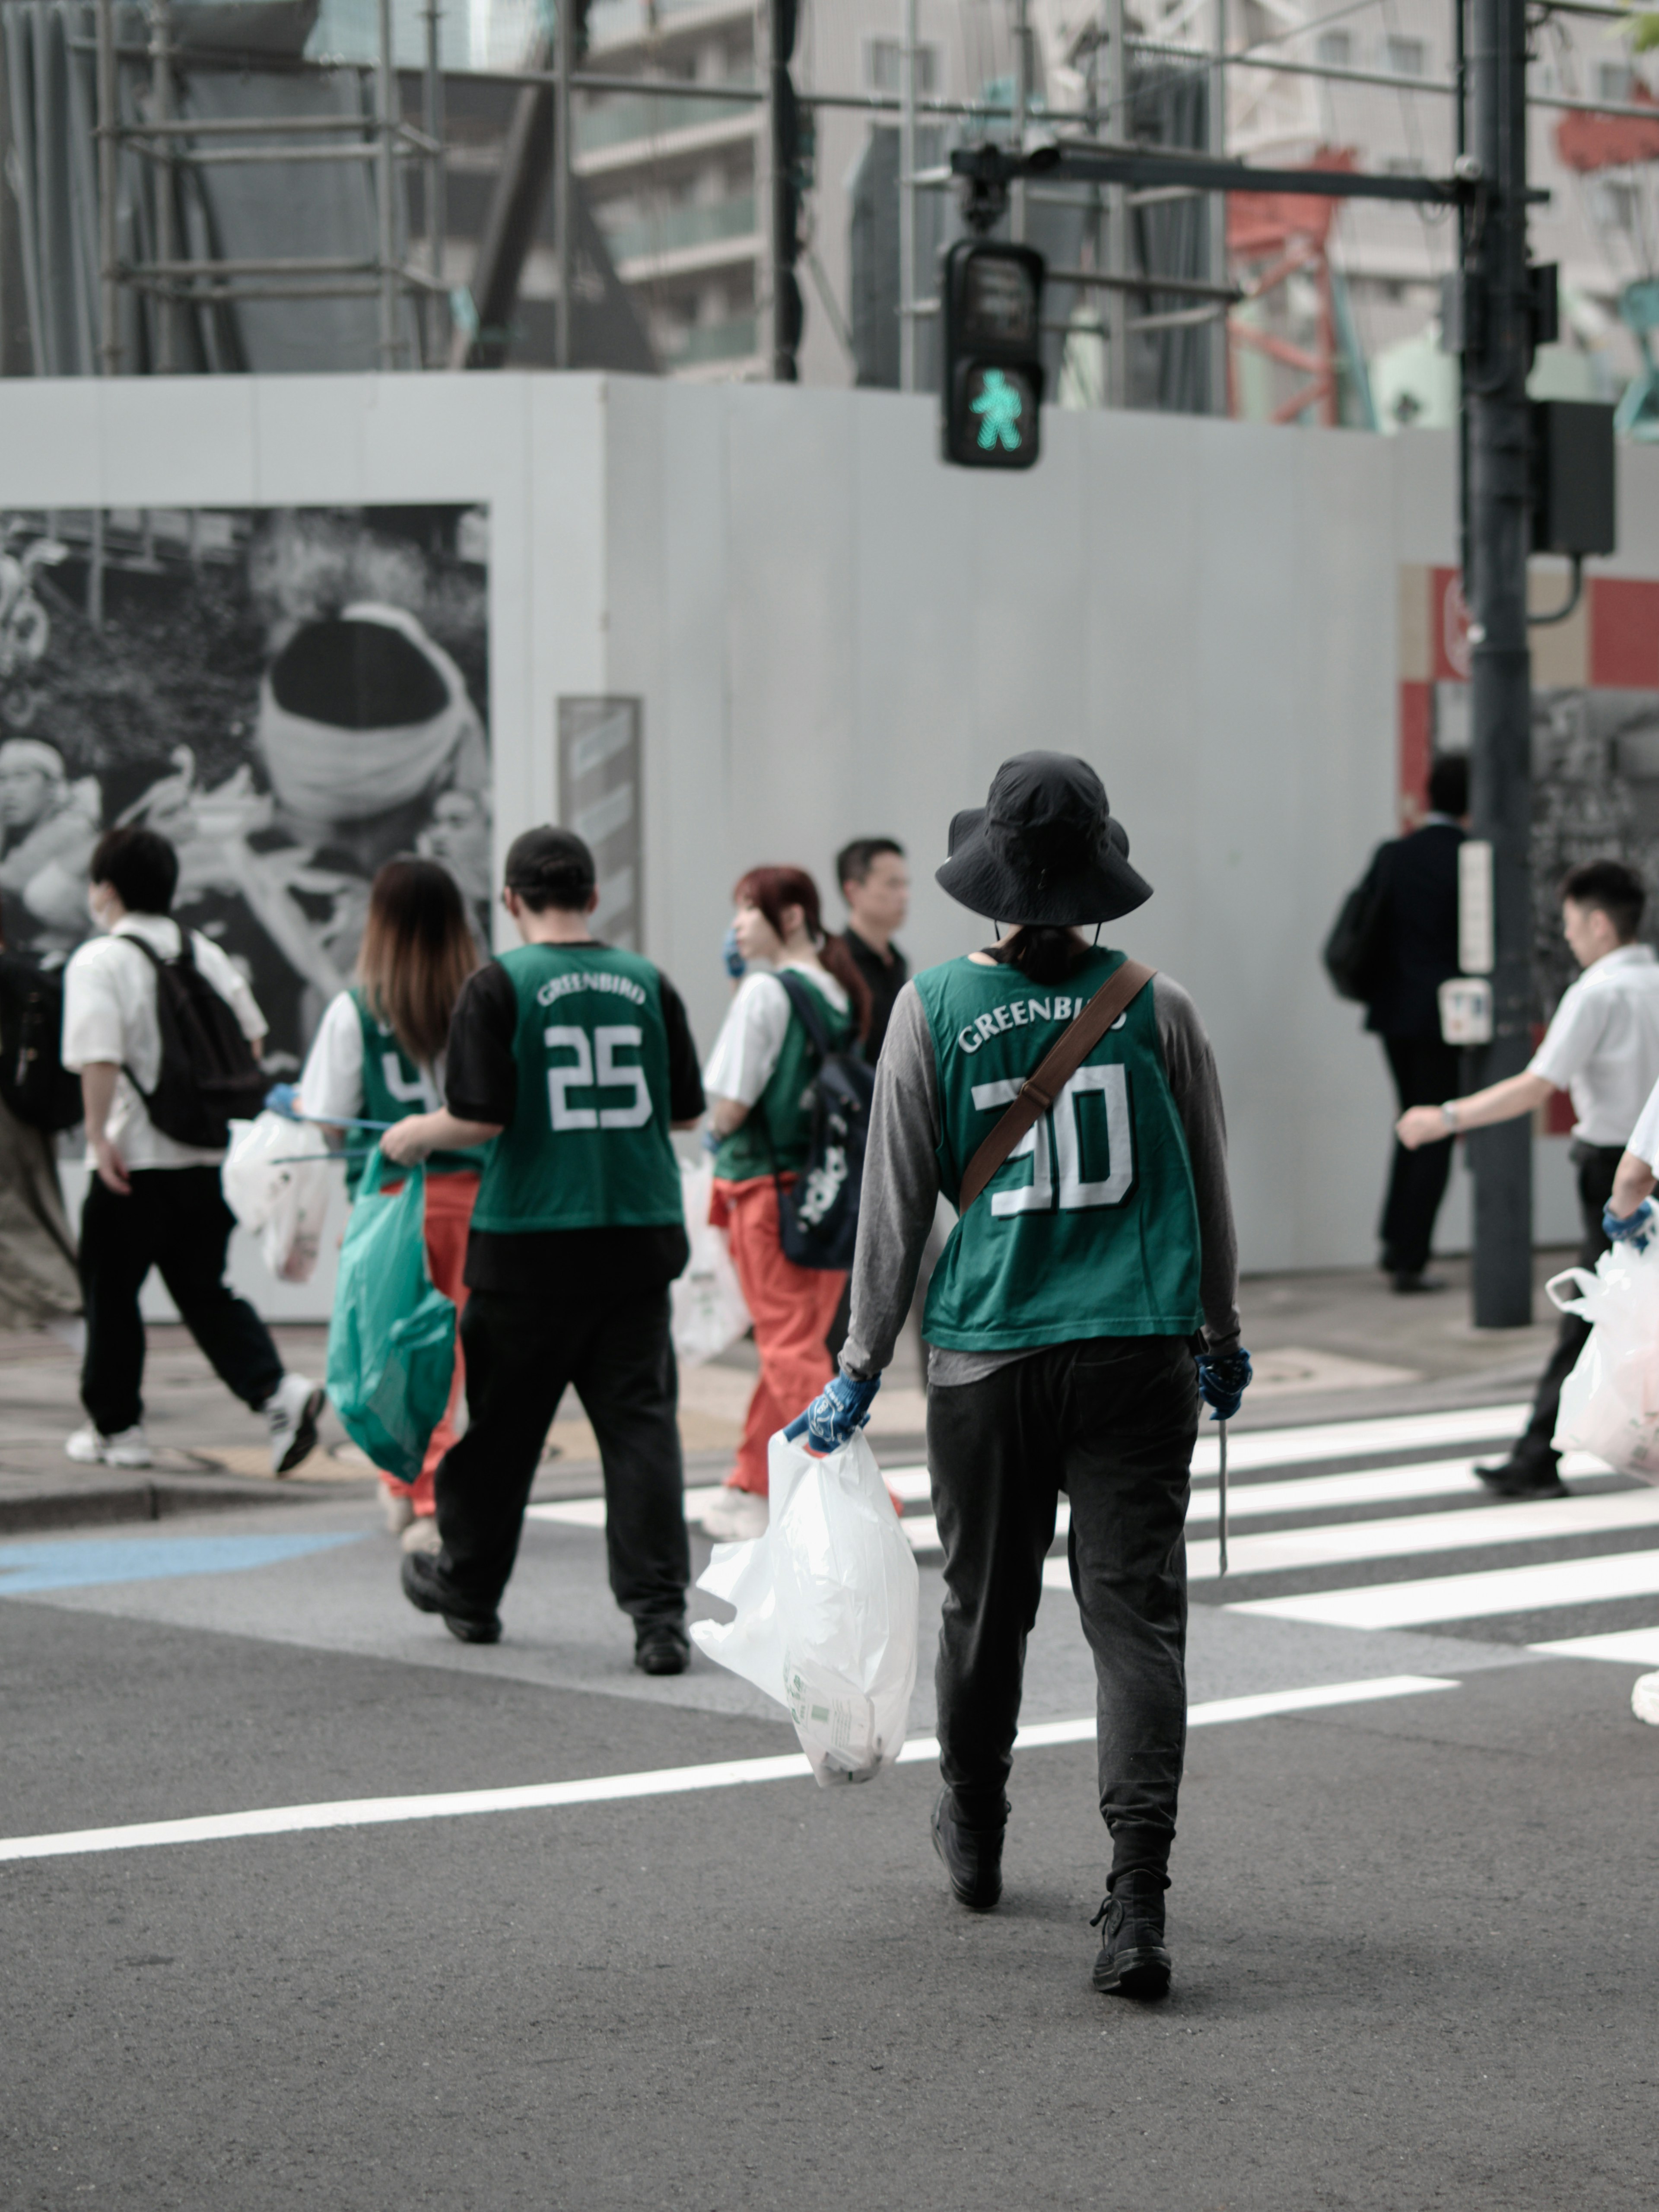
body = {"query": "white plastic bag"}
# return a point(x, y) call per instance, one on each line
point(275, 1183)
point(708, 1308)
point(827, 1602)
point(1610, 1401)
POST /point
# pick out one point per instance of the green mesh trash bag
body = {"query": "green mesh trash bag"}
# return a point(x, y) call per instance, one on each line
point(391, 1340)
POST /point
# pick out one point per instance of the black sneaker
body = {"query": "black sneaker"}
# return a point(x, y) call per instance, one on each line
point(429, 1590)
point(972, 1856)
point(1132, 1961)
point(1413, 1282)
point(1524, 1474)
point(661, 1648)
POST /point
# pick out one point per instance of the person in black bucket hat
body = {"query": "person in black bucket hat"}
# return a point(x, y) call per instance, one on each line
point(1094, 1253)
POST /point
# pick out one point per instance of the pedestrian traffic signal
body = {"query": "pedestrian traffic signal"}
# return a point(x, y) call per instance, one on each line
point(991, 393)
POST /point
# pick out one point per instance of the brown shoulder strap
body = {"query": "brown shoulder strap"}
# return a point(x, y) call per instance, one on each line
point(1059, 1065)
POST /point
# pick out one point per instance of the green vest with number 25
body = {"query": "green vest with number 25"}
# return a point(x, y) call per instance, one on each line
point(588, 1145)
point(1090, 1227)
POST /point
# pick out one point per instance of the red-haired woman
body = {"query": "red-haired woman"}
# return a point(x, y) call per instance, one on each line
point(379, 1056)
point(762, 1060)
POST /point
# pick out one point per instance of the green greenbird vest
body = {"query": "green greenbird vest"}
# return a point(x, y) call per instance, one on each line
point(778, 1112)
point(588, 1146)
point(393, 1088)
point(1090, 1227)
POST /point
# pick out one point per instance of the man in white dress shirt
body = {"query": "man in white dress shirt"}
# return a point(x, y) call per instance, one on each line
point(1603, 1048)
point(151, 1200)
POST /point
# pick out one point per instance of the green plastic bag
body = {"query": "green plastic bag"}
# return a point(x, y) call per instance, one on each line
point(391, 1340)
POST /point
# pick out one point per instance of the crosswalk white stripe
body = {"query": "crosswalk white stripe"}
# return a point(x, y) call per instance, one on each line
point(673, 1781)
point(1469, 1597)
point(1632, 1647)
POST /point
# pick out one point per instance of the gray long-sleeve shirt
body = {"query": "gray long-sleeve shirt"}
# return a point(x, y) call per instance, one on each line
point(902, 1187)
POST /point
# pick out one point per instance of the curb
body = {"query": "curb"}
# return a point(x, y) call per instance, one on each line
point(127, 1501)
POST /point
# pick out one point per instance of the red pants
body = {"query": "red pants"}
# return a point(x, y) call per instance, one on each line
point(792, 1309)
point(448, 1217)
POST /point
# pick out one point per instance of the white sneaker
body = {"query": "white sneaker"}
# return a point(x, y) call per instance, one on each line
point(422, 1535)
point(1644, 1699)
point(131, 1448)
point(399, 1509)
point(735, 1516)
point(291, 1415)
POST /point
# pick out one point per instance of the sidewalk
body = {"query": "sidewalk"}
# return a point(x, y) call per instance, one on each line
point(1325, 1346)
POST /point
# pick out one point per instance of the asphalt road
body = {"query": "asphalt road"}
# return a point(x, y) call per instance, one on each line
point(1415, 1936)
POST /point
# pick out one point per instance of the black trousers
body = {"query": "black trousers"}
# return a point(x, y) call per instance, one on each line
point(522, 1354)
point(1111, 1422)
point(1596, 1165)
point(175, 1219)
point(1425, 1072)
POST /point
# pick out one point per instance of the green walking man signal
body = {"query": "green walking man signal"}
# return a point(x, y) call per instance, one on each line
point(991, 393)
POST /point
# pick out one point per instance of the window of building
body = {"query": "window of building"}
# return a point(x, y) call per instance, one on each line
point(881, 66)
point(1403, 56)
point(1616, 203)
point(1404, 165)
point(1614, 81)
point(1335, 49)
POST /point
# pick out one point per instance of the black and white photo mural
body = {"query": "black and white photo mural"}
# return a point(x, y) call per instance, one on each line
point(292, 695)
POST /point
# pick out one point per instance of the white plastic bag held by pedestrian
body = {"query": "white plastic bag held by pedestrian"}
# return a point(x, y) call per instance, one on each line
point(1610, 1401)
point(708, 1308)
point(826, 1604)
point(275, 1183)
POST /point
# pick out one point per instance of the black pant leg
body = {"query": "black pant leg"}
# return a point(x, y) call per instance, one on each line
point(629, 1388)
point(190, 1250)
point(993, 1454)
point(1130, 1416)
point(1425, 1073)
point(115, 1256)
point(519, 1353)
point(1596, 1165)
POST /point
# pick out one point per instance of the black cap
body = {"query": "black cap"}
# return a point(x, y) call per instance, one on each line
point(548, 859)
point(1044, 849)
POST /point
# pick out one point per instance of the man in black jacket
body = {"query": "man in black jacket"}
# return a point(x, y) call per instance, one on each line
point(1416, 950)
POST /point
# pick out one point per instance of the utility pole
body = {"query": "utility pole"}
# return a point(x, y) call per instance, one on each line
point(1022, 97)
point(1498, 333)
point(907, 201)
point(563, 182)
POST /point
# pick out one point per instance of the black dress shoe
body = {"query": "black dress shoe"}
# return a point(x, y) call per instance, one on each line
point(1524, 1474)
point(1409, 1282)
point(429, 1590)
point(972, 1856)
point(1132, 1961)
point(661, 1648)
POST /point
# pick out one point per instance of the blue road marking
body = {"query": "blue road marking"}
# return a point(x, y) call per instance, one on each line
point(81, 1562)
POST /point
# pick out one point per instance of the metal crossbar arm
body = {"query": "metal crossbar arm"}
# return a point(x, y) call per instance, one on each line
point(1070, 162)
point(1189, 288)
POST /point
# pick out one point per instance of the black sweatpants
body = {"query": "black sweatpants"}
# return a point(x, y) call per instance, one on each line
point(522, 1354)
point(1110, 1421)
point(175, 1219)
point(1596, 1165)
point(1425, 1072)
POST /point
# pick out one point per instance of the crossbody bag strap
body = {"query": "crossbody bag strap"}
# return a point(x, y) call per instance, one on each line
point(1058, 1065)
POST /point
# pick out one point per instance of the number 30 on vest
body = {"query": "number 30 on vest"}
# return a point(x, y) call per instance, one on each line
point(594, 1068)
point(1056, 1137)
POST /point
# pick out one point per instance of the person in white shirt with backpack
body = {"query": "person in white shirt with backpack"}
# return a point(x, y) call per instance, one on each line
point(164, 1034)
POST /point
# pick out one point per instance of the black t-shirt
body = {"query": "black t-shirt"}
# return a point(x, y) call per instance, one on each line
point(886, 978)
point(481, 1084)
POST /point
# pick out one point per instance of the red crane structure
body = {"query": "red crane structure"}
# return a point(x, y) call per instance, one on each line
point(1271, 237)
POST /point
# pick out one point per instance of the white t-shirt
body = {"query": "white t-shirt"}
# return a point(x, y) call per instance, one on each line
point(1603, 1044)
point(109, 1013)
point(332, 1081)
point(752, 1036)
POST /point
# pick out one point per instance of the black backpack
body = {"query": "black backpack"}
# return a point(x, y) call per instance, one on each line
point(209, 1076)
point(1355, 945)
point(34, 1081)
point(819, 1220)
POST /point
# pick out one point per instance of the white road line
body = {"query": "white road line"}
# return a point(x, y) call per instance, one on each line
point(664, 1782)
point(1632, 1647)
point(1470, 1597)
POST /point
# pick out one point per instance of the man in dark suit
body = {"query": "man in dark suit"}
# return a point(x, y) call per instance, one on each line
point(1416, 951)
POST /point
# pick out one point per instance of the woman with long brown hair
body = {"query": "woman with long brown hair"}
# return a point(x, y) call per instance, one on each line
point(762, 1060)
point(377, 1056)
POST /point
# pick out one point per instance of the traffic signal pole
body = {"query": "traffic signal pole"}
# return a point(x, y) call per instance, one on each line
point(1498, 334)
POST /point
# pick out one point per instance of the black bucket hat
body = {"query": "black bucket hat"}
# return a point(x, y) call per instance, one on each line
point(1044, 849)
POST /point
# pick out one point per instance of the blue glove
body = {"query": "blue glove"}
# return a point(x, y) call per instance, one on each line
point(1636, 1229)
point(1223, 1379)
point(736, 966)
point(283, 1098)
point(836, 1417)
point(710, 1140)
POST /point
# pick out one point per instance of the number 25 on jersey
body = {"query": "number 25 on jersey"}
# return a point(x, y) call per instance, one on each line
point(594, 1068)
